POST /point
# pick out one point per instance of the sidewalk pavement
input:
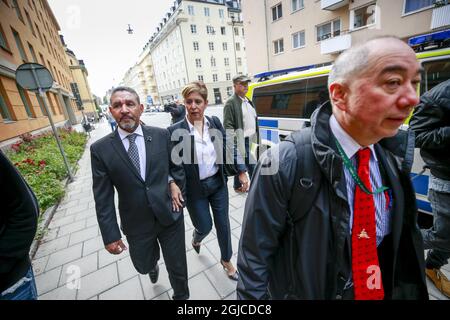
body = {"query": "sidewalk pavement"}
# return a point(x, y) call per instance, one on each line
point(73, 248)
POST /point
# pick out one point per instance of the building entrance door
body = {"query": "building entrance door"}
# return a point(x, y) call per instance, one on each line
point(217, 96)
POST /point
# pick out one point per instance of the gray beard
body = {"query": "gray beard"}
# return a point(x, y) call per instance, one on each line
point(128, 126)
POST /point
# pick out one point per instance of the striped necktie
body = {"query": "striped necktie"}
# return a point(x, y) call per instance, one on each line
point(133, 151)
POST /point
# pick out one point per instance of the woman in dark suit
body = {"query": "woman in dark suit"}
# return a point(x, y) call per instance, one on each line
point(200, 143)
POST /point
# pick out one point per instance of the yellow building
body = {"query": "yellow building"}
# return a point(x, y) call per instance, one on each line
point(79, 76)
point(29, 33)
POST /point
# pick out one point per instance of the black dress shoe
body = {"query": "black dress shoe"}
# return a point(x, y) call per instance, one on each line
point(154, 274)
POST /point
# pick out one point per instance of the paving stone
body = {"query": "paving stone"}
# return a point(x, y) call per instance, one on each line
point(48, 281)
point(236, 203)
point(105, 258)
point(39, 265)
point(83, 235)
point(67, 204)
point(201, 289)
point(62, 293)
point(76, 209)
point(91, 221)
point(97, 282)
point(52, 246)
point(199, 262)
point(89, 213)
point(93, 245)
point(231, 296)
point(237, 215)
point(72, 227)
point(164, 296)
point(218, 278)
point(61, 221)
point(50, 235)
point(86, 266)
point(82, 195)
point(126, 269)
point(64, 256)
point(129, 290)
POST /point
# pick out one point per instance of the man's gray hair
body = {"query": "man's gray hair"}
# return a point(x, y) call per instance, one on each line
point(349, 64)
point(127, 89)
point(353, 61)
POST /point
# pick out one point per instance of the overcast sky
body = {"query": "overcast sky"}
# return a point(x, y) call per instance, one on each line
point(96, 30)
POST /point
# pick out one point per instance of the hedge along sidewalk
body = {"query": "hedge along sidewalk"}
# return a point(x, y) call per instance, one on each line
point(40, 162)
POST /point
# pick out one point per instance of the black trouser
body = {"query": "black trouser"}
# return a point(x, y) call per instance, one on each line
point(144, 252)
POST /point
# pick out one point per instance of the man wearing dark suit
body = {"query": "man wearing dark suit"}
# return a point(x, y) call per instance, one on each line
point(239, 116)
point(135, 159)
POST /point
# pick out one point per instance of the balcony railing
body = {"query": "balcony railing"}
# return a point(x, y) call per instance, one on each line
point(333, 4)
point(336, 44)
point(440, 17)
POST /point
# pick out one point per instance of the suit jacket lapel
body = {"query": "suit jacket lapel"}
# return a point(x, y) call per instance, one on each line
point(218, 144)
point(194, 160)
point(148, 150)
point(120, 150)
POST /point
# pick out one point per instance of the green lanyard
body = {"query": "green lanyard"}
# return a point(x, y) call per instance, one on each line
point(349, 165)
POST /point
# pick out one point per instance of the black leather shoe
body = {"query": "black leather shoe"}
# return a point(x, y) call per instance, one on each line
point(154, 274)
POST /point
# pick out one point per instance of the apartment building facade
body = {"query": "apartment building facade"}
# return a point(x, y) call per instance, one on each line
point(141, 78)
point(80, 84)
point(29, 33)
point(286, 34)
point(198, 40)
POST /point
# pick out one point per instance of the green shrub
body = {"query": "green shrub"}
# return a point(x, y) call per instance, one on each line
point(40, 162)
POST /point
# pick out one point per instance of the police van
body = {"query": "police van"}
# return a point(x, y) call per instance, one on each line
point(285, 103)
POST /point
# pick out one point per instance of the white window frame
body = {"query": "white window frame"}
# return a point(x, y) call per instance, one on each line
point(277, 11)
point(352, 16)
point(332, 31)
point(196, 46)
point(215, 77)
point(201, 78)
point(238, 46)
point(191, 10)
point(198, 63)
point(228, 76)
point(226, 61)
point(239, 61)
point(213, 62)
point(415, 11)
point(221, 13)
point(211, 46)
point(301, 5)
point(225, 46)
point(207, 12)
point(276, 46)
point(193, 28)
point(304, 39)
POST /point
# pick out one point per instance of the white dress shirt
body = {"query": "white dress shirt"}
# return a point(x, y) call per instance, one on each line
point(249, 117)
point(140, 142)
point(204, 149)
point(382, 209)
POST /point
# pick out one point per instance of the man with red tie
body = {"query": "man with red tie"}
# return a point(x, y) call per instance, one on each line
point(348, 230)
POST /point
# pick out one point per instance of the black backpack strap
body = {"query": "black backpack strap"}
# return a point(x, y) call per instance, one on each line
point(307, 175)
point(306, 187)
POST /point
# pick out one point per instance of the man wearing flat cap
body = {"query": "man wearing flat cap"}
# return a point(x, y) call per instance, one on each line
point(240, 121)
